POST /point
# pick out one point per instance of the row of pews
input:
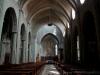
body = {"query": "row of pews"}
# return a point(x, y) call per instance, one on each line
point(74, 70)
point(21, 69)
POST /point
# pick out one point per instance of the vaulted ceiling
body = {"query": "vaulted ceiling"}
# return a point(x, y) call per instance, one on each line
point(45, 11)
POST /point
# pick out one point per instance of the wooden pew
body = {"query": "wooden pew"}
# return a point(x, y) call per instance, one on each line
point(65, 69)
point(16, 69)
point(75, 70)
point(20, 69)
point(15, 72)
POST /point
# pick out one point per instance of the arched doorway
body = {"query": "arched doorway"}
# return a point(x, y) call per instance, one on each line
point(90, 39)
point(22, 44)
point(8, 37)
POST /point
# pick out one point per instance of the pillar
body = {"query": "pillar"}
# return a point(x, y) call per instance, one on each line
point(23, 52)
point(3, 50)
point(30, 54)
point(14, 55)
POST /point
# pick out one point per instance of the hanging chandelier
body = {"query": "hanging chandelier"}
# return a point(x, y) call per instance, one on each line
point(50, 23)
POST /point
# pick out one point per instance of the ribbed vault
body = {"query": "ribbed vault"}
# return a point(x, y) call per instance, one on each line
point(48, 11)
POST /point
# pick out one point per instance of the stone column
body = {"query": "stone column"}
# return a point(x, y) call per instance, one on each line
point(3, 51)
point(24, 51)
point(14, 56)
point(30, 54)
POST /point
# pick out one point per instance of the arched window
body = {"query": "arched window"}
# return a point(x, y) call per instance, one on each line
point(73, 14)
point(78, 50)
point(82, 1)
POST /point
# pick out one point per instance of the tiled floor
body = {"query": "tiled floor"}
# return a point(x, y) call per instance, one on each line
point(50, 70)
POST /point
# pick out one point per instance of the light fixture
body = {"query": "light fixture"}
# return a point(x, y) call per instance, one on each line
point(50, 24)
point(82, 1)
point(73, 14)
point(49, 18)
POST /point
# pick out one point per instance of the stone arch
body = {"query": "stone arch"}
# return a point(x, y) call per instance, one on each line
point(51, 35)
point(52, 42)
point(8, 37)
point(90, 38)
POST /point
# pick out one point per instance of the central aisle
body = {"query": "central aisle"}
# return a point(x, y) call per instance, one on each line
point(49, 70)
